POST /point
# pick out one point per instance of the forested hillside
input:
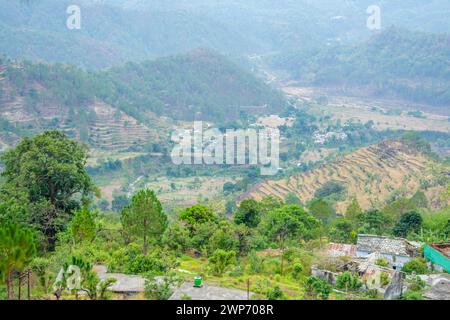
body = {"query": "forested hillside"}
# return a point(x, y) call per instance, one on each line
point(200, 84)
point(396, 62)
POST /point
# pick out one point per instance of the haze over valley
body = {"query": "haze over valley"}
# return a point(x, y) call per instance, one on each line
point(344, 108)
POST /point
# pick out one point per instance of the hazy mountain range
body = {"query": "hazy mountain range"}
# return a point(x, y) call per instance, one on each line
point(115, 31)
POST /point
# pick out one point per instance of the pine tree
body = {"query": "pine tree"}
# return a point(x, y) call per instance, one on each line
point(144, 217)
point(17, 249)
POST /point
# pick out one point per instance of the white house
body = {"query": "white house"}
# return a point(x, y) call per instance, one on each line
point(396, 251)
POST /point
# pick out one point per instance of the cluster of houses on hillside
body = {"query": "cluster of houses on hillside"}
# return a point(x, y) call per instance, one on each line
point(322, 138)
point(387, 278)
point(363, 259)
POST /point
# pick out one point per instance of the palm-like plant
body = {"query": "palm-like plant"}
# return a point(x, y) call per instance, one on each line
point(17, 249)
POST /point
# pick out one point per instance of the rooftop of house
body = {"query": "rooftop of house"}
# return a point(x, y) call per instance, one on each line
point(387, 245)
point(208, 292)
point(443, 248)
point(341, 249)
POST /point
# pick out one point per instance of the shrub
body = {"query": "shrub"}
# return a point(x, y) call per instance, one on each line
point(317, 288)
point(384, 279)
point(275, 293)
point(248, 213)
point(372, 294)
point(145, 264)
point(220, 260)
point(329, 188)
point(297, 269)
point(412, 295)
point(417, 284)
point(409, 222)
point(382, 262)
point(130, 260)
point(159, 290)
point(348, 281)
point(255, 263)
point(417, 266)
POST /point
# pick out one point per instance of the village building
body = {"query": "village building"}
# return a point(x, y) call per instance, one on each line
point(389, 283)
point(396, 251)
point(322, 138)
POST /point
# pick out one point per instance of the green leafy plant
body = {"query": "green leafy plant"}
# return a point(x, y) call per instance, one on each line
point(220, 260)
point(317, 288)
point(382, 263)
point(275, 293)
point(416, 265)
point(348, 281)
point(159, 289)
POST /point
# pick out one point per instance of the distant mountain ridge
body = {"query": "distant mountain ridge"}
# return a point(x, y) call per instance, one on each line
point(115, 31)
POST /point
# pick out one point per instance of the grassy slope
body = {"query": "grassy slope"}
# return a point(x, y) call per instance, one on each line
point(372, 174)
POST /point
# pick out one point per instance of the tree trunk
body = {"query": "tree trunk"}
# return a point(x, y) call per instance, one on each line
point(320, 237)
point(52, 194)
point(20, 287)
point(10, 285)
point(282, 257)
point(145, 236)
point(28, 285)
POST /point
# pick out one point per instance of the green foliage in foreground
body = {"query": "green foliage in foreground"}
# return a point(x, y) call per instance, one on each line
point(17, 249)
point(248, 213)
point(269, 243)
point(159, 289)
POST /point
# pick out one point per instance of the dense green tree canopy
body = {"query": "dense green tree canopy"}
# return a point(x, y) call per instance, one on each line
point(409, 222)
point(49, 166)
point(289, 221)
point(48, 176)
point(248, 213)
point(196, 216)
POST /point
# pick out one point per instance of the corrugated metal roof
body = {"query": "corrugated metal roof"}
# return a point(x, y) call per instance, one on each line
point(341, 249)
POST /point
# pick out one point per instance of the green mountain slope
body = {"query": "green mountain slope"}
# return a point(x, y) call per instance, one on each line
point(200, 85)
point(396, 62)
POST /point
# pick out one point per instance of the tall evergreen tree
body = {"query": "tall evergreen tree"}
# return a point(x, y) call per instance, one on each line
point(144, 218)
point(17, 249)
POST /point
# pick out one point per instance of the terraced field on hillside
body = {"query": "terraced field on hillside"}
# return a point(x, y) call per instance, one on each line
point(114, 130)
point(370, 174)
point(107, 128)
